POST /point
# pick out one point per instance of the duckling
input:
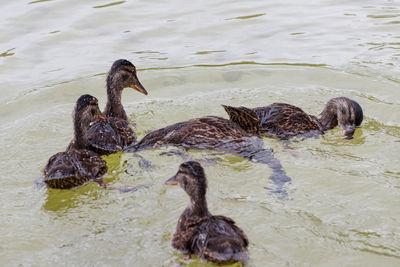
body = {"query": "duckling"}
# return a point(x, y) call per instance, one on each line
point(213, 238)
point(284, 121)
point(77, 165)
point(220, 134)
point(204, 133)
point(115, 132)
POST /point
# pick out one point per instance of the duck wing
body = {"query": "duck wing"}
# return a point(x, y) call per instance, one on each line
point(245, 117)
point(219, 240)
point(236, 228)
point(205, 132)
point(73, 168)
point(185, 230)
point(110, 135)
point(283, 121)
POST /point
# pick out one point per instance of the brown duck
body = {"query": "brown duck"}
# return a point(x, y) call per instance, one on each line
point(213, 238)
point(220, 134)
point(204, 133)
point(77, 165)
point(284, 121)
point(115, 132)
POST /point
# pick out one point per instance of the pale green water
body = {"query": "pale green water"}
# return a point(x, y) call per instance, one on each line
point(192, 57)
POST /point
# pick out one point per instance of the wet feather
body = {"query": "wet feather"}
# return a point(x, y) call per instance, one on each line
point(77, 165)
point(115, 132)
point(214, 238)
point(283, 120)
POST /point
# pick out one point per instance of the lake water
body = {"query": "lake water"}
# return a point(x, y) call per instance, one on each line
point(344, 206)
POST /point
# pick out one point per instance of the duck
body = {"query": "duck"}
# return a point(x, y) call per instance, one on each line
point(207, 132)
point(220, 134)
point(114, 133)
point(214, 238)
point(77, 165)
point(284, 121)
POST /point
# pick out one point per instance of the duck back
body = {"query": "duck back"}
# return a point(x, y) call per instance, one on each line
point(214, 238)
point(205, 132)
point(73, 168)
point(283, 121)
point(110, 135)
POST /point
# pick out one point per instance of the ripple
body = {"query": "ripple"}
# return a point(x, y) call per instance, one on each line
point(209, 52)
point(6, 53)
point(39, 1)
point(247, 17)
point(394, 22)
point(383, 16)
point(110, 4)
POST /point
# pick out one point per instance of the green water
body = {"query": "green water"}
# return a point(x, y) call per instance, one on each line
point(192, 57)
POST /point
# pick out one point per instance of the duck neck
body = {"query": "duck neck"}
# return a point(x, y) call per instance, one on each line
point(80, 140)
point(114, 106)
point(198, 207)
point(328, 119)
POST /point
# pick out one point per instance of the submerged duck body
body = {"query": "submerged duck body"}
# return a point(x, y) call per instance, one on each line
point(216, 133)
point(115, 132)
point(204, 133)
point(77, 165)
point(284, 120)
point(214, 238)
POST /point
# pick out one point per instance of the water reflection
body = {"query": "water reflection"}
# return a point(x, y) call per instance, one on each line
point(58, 200)
point(346, 194)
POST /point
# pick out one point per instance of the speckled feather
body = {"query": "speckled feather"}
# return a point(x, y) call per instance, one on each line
point(215, 238)
point(115, 133)
point(110, 135)
point(205, 132)
point(77, 165)
point(246, 118)
point(73, 168)
point(284, 121)
point(277, 120)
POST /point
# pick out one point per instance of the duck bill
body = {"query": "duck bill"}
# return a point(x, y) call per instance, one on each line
point(172, 181)
point(138, 86)
point(348, 132)
point(101, 117)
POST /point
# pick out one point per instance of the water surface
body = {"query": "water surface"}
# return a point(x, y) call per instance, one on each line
point(192, 57)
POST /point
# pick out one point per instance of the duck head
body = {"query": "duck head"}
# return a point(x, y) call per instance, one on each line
point(121, 75)
point(192, 179)
point(342, 112)
point(86, 111)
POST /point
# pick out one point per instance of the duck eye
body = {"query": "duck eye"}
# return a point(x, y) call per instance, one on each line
point(125, 76)
point(184, 181)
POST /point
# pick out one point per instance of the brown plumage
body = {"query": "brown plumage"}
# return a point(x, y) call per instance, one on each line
point(203, 133)
point(284, 121)
point(220, 134)
point(73, 168)
point(214, 238)
point(77, 165)
point(115, 132)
